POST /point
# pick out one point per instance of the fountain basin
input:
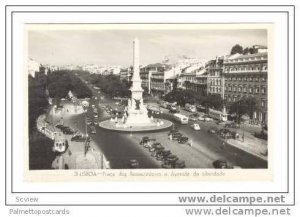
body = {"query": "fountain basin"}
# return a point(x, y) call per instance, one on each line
point(150, 127)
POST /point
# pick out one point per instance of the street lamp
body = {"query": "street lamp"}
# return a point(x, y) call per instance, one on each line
point(243, 137)
point(130, 130)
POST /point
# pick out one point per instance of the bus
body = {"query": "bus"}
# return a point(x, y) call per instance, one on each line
point(219, 115)
point(181, 118)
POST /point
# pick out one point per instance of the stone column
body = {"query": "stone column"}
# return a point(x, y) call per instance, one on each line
point(136, 60)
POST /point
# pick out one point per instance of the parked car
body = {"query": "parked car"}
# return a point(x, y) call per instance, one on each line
point(179, 164)
point(225, 133)
point(59, 126)
point(232, 125)
point(159, 157)
point(195, 126)
point(173, 109)
point(152, 149)
point(235, 135)
point(144, 140)
point(208, 119)
point(213, 130)
point(183, 140)
point(78, 138)
point(93, 130)
point(221, 164)
point(134, 164)
point(201, 118)
point(165, 153)
point(173, 131)
point(166, 166)
point(176, 136)
point(172, 158)
point(219, 122)
point(194, 117)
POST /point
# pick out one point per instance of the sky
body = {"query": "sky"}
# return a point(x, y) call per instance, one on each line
point(115, 48)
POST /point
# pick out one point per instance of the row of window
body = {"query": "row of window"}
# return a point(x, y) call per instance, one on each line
point(216, 82)
point(247, 68)
point(245, 89)
point(215, 89)
point(246, 78)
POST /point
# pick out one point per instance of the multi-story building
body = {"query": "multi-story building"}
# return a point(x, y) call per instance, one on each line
point(126, 74)
point(215, 78)
point(247, 75)
point(195, 80)
point(156, 78)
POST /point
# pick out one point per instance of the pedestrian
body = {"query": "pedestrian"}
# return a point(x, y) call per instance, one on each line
point(191, 143)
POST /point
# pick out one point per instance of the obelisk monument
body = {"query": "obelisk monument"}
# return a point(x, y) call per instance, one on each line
point(137, 112)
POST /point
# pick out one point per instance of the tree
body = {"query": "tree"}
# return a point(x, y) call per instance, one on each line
point(246, 105)
point(248, 50)
point(236, 49)
point(37, 101)
point(182, 96)
point(213, 101)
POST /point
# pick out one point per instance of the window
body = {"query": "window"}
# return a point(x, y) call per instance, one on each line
point(250, 90)
point(251, 78)
point(230, 89)
point(263, 103)
point(240, 78)
point(257, 78)
point(257, 90)
point(263, 78)
point(240, 89)
point(245, 89)
point(234, 89)
point(234, 78)
point(263, 90)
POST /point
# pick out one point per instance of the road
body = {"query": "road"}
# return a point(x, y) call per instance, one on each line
point(119, 148)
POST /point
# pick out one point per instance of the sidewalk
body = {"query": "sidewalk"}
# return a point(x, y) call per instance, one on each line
point(251, 145)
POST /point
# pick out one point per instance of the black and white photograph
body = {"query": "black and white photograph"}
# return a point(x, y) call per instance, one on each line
point(147, 96)
point(153, 110)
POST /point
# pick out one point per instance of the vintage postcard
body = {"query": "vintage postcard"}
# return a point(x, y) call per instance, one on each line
point(148, 101)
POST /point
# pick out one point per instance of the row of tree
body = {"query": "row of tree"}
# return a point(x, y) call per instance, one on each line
point(37, 101)
point(55, 85)
point(59, 83)
point(239, 49)
point(244, 106)
point(189, 96)
point(110, 84)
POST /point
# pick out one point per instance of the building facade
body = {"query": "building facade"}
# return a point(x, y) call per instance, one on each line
point(215, 78)
point(126, 74)
point(154, 78)
point(247, 76)
point(195, 80)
